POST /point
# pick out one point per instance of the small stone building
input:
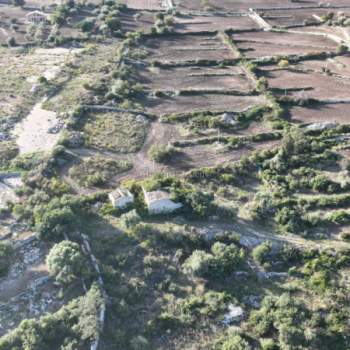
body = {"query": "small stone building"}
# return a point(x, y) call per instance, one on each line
point(121, 198)
point(36, 17)
point(159, 202)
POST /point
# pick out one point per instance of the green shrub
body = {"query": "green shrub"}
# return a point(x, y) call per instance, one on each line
point(290, 220)
point(87, 25)
point(323, 184)
point(74, 326)
point(268, 344)
point(66, 262)
point(235, 342)
point(209, 304)
point(6, 254)
point(199, 263)
point(54, 223)
point(11, 42)
point(283, 315)
point(261, 253)
point(162, 153)
point(222, 260)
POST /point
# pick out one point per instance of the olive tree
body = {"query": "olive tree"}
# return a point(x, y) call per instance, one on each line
point(66, 262)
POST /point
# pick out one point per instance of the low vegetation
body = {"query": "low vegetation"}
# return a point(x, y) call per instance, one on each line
point(98, 171)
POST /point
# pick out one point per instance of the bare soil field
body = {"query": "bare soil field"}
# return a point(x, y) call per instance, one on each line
point(188, 47)
point(6, 31)
point(34, 132)
point(215, 154)
point(133, 21)
point(297, 17)
point(338, 66)
point(334, 33)
point(154, 5)
point(227, 5)
point(178, 78)
point(19, 73)
point(191, 23)
point(341, 65)
point(262, 44)
point(301, 84)
point(203, 102)
point(336, 113)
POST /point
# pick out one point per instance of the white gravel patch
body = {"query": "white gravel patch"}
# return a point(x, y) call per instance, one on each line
point(33, 132)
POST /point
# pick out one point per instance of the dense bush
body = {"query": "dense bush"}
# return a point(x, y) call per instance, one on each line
point(235, 342)
point(284, 315)
point(6, 253)
point(74, 326)
point(66, 262)
point(162, 153)
point(261, 253)
point(53, 224)
point(222, 259)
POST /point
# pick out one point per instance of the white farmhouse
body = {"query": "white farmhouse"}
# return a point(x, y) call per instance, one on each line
point(121, 198)
point(36, 17)
point(159, 202)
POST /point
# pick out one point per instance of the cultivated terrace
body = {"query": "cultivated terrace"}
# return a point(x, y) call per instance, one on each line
point(174, 175)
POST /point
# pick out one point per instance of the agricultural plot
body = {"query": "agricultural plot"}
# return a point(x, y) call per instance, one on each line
point(192, 23)
point(182, 48)
point(266, 44)
point(215, 154)
point(201, 102)
point(320, 113)
point(304, 84)
point(153, 5)
point(132, 21)
point(227, 6)
point(298, 17)
point(196, 78)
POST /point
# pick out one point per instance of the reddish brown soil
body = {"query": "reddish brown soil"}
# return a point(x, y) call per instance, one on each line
point(195, 78)
point(339, 66)
point(261, 44)
point(203, 102)
point(144, 4)
point(334, 33)
point(296, 17)
point(338, 113)
point(189, 158)
point(133, 21)
point(188, 47)
point(237, 5)
point(308, 84)
point(185, 24)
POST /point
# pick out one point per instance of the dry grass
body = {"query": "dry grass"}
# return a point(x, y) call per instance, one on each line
point(119, 133)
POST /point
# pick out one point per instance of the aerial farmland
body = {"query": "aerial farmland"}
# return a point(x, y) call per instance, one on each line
point(174, 174)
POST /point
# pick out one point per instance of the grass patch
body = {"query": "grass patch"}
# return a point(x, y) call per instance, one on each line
point(121, 133)
point(98, 171)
